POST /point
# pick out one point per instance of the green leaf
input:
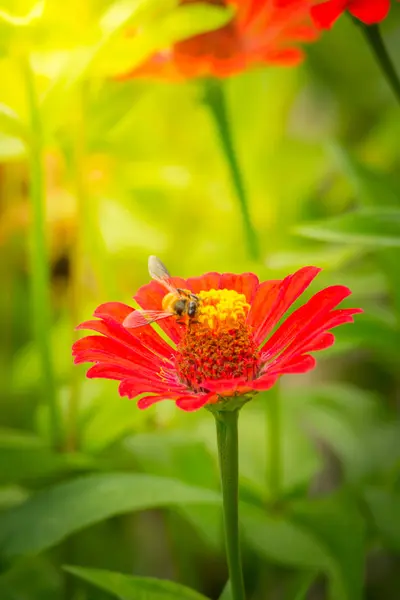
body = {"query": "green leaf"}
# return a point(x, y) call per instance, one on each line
point(301, 585)
point(11, 496)
point(384, 506)
point(135, 588)
point(374, 188)
point(371, 187)
point(182, 455)
point(284, 542)
point(50, 516)
point(26, 457)
point(330, 520)
point(174, 454)
point(376, 330)
point(226, 592)
point(31, 578)
point(372, 227)
point(315, 536)
point(351, 422)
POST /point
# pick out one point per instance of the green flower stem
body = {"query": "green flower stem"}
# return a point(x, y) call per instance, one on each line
point(274, 454)
point(77, 254)
point(216, 101)
point(227, 439)
point(374, 38)
point(40, 279)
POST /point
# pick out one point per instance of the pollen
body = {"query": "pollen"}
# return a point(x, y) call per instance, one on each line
point(221, 310)
point(219, 344)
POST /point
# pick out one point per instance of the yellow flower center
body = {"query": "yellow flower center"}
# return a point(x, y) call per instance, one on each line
point(217, 344)
point(222, 309)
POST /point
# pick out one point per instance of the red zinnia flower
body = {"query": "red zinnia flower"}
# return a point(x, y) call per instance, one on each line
point(367, 11)
point(261, 32)
point(228, 349)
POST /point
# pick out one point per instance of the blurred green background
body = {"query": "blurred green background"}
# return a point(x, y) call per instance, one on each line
point(136, 168)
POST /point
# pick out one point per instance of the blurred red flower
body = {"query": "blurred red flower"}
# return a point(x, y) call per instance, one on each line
point(261, 32)
point(367, 11)
point(233, 348)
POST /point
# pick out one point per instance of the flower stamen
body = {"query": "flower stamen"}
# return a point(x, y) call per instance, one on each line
point(222, 309)
point(219, 344)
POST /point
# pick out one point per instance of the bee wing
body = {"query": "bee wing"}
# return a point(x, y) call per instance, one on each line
point(138, 318)
point(160, 273)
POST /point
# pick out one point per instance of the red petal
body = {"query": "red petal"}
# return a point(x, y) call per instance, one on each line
point(324, 15)
point(150, 296)
point(191, 402)
point(287, 57)
point(318, 306)
point(187, 403)
point(102, 356)
point(112, 347)
point(147, 401)
point(151, 340)
point(248, 286)
point(245, 283)
point(264, 383)
point(299, 364)
point(229, 281)
point(311, 333)
point(249, 9)
point(279, 299)
point(263, 301)
point(116, 310)
point(134, 386)
point(291, 4)
point(302, 33)
point(113, 330)
point(208, 281)
point(369, 11)
point(227, 387)
point(320, 342)
point(109, 371)
point(136, 357)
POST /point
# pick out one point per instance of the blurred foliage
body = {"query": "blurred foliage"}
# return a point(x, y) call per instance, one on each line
point(134, 168)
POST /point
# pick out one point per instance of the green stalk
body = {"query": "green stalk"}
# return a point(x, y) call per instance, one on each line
point(216, 101)
point(374, 38)
point(274, 454)
point(77, 253)
point(227, 439)
point(39, 263)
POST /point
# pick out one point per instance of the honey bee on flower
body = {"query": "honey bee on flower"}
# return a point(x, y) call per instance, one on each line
point(234, 347)
point(177, 302)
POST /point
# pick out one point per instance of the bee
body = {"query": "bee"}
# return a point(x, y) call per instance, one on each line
point(176, 302)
